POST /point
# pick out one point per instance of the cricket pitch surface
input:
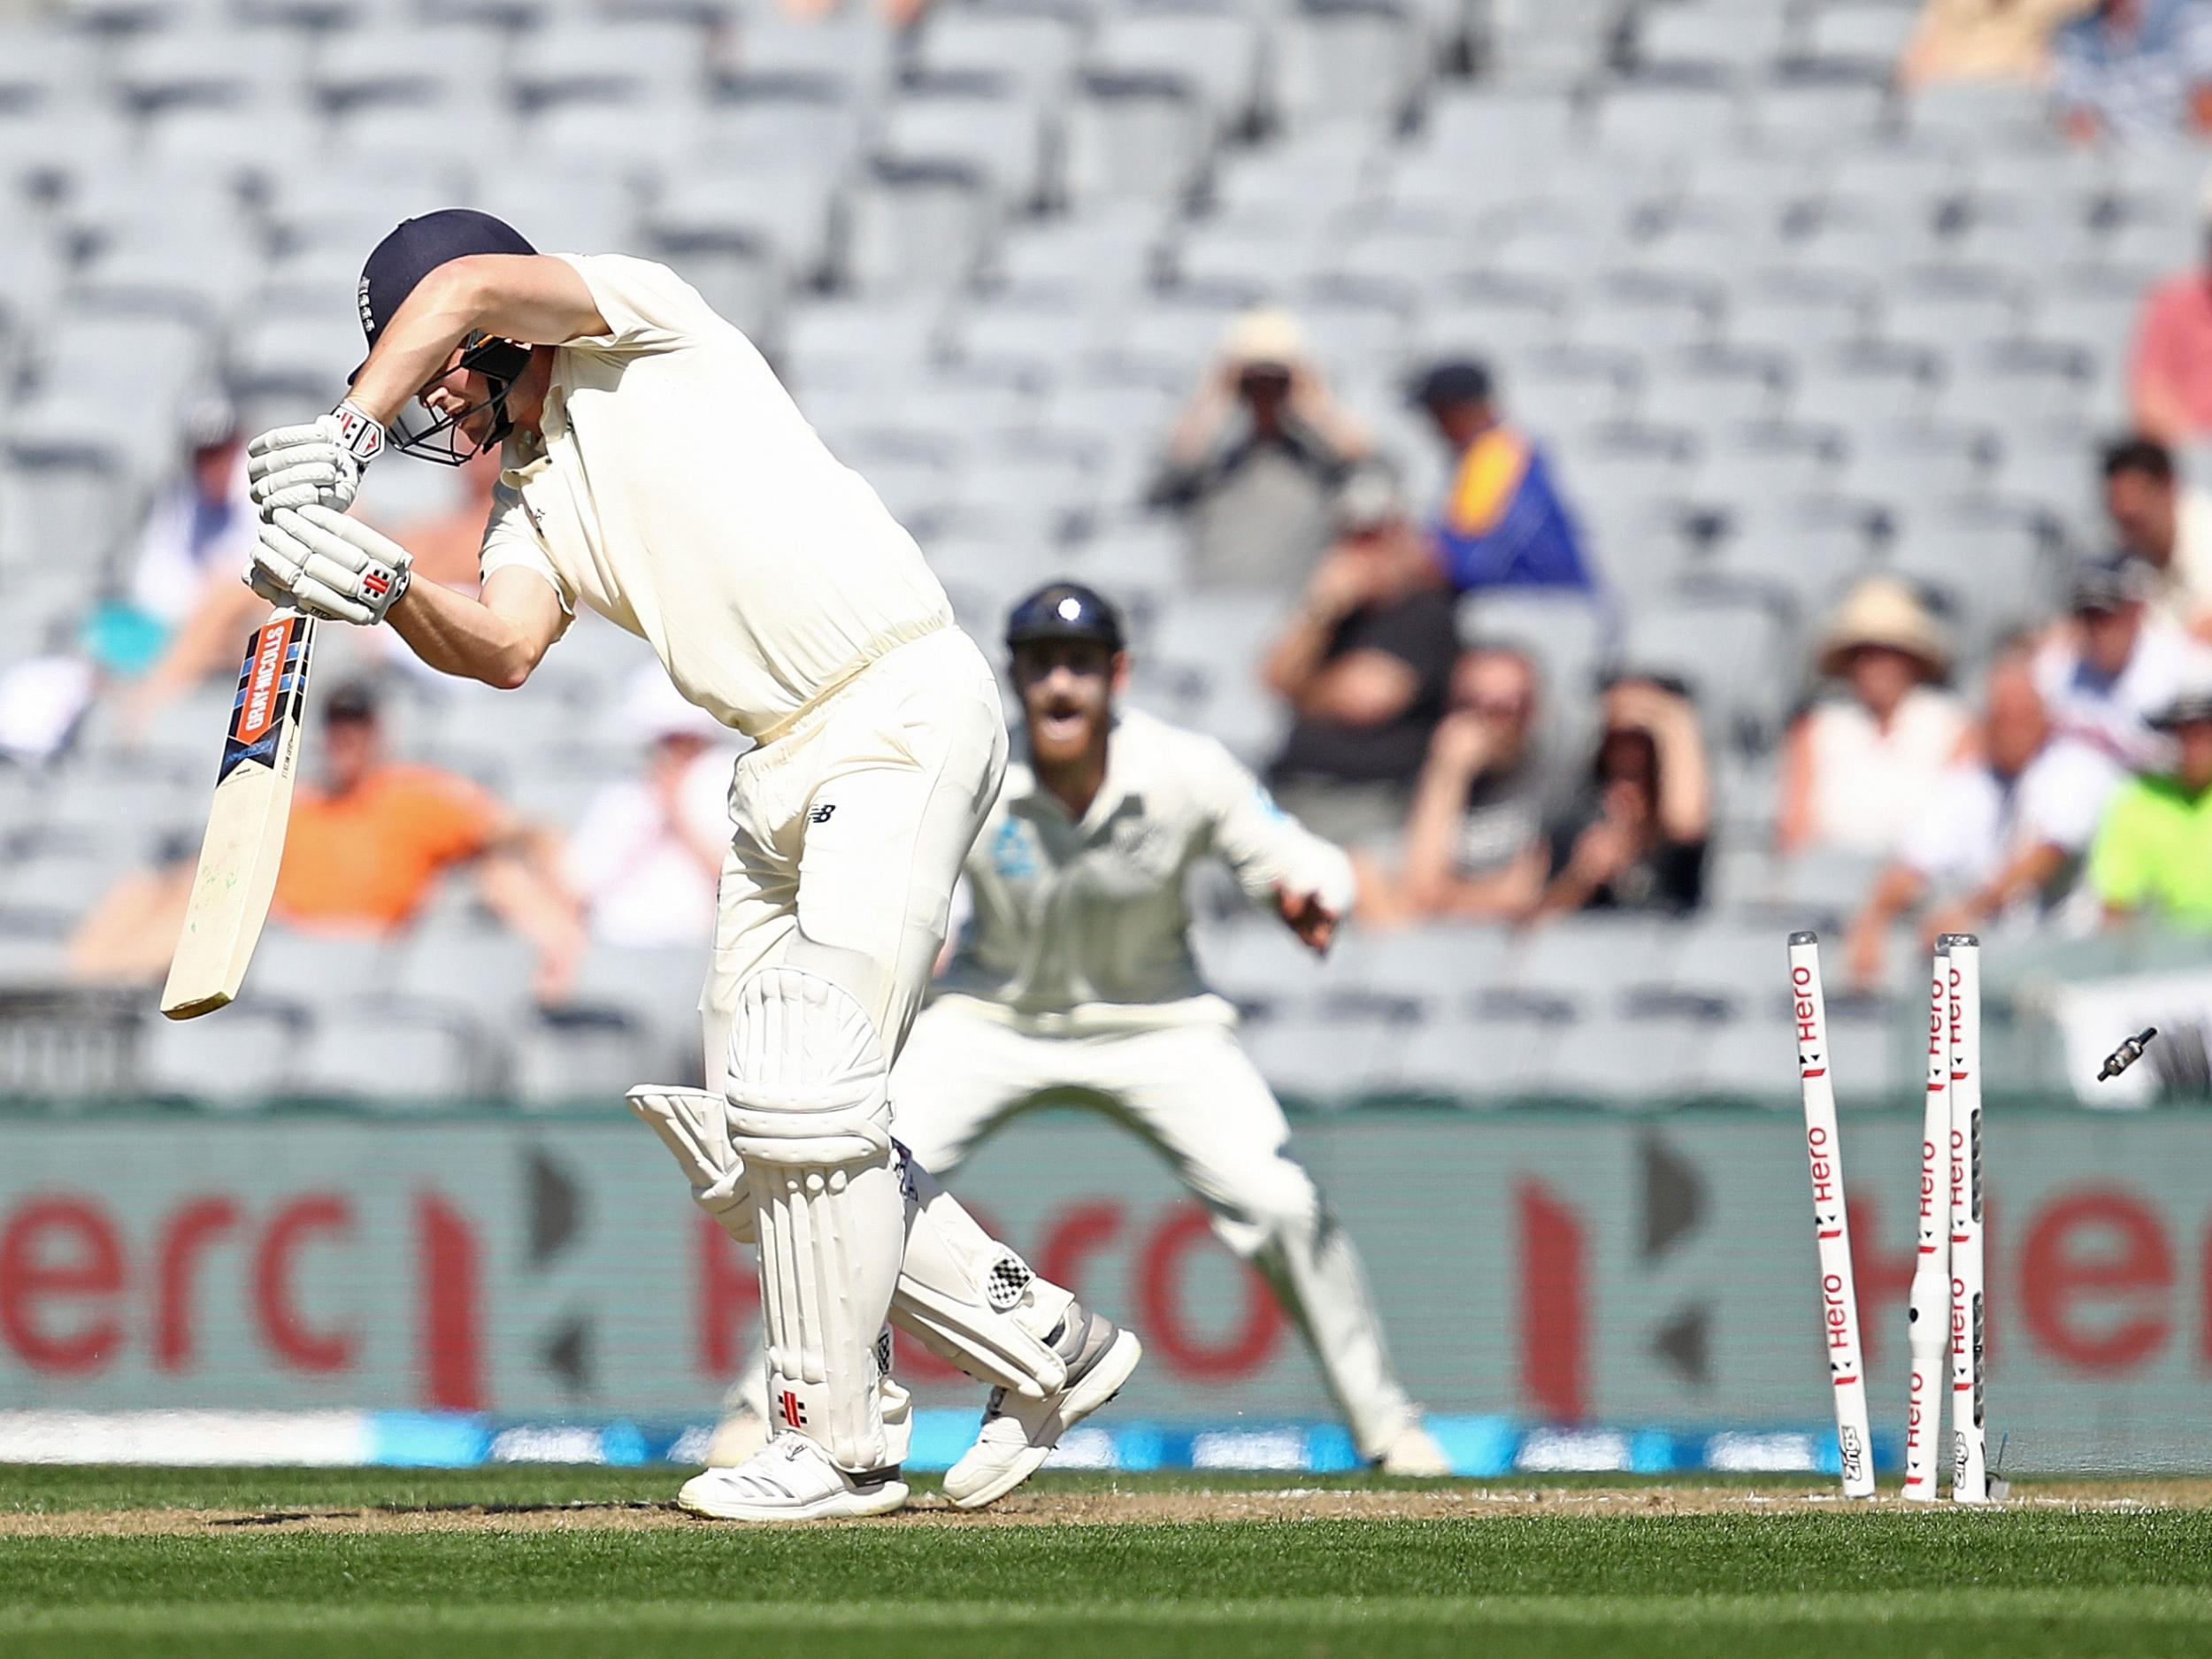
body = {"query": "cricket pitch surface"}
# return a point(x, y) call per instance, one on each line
point(121, 1560)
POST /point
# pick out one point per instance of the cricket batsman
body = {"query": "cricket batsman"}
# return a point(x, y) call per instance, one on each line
point(1074, 972)
point(654, 470)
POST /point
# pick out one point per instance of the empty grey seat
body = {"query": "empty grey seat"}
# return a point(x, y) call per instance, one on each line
point(1661, 121)
point(763, 219)
point(483, 963)
point(918, 227)
point(244, 1054)
point(1350, 60)
point(1949, 308)
point(392, 65)
point(1624, 1060)
point(1731, 646)
point(1586, 959)
point(1861, 387)
point(1322, 1061)
point(993, 129)
point(1916, 465)
point(588, 1058)
point(642, 64)
point(1216, 52)
point(1868, 38)
point(1736, 43)
point(867, 343)
point(1036, 44)
point(1440, 966)
point(400, 1052)
point(1136, 134)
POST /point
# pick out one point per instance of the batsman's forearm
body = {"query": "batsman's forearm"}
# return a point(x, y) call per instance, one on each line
point(441, 312)
point(457, 635)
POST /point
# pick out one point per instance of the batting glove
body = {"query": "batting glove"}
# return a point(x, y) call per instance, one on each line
point(328, 565)
point(315, 465)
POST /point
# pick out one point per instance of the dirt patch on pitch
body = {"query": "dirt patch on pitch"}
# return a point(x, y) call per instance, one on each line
point(1444, 1501)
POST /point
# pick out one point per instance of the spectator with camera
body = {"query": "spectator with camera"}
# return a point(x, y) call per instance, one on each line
point(1636, 837)
point(1256, 456)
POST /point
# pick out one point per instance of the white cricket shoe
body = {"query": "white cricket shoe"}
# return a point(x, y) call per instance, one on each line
point(1415, 1452)
point(744, 1430)
point(791, 1479)
point(1018, 1434)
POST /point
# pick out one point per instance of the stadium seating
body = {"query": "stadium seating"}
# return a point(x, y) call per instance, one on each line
point(990, 257)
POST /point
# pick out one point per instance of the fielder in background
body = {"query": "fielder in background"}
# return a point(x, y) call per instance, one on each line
point(655, 471)
point(1075, 971)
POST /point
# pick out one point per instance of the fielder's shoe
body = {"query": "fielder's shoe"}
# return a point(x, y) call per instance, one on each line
point(744, 1430)
point(1415, 1452)
point(1018, 1433)
point(791, 1479)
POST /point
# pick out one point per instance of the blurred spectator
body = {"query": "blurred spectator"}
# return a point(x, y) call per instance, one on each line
point(2004, 829)
point(2153, 850)
point(2135, 69)
point(1475, 846)
point(1855, 768)
point(198, 532)
point(2165, 524)
point(2115, 664)
point(1365, 665)
point(2170, 363)
point(1984, 40)
point(645, 857)
point(1503, 524)
point(1637, 840)
point(364, 851)
point(200, 527)
point(1254, 458)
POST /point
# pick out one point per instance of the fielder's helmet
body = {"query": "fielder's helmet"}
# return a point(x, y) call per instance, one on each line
point(1064, 610)
point(394, 269)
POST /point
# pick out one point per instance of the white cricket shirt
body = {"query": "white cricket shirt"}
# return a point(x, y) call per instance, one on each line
point(1084, 925)
point(679, 492)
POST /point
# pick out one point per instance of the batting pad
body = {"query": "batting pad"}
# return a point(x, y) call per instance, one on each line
point(809, 1114)
point(807, 1083)
point(961, 1294)
point(829, 1258)
point(969, 1299)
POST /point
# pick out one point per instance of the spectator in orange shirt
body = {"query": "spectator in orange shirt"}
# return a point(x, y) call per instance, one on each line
point(2169, 368)
point(363, 852)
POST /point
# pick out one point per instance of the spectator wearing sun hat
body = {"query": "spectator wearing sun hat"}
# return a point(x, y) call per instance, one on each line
point(1856, 765)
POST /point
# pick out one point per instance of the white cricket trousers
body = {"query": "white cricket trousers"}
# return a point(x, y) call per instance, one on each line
point(849, 831)
point(1190, 1090)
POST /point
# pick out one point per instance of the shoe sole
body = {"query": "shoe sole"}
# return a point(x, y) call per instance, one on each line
point(838, 1506)
point(1097, 1387)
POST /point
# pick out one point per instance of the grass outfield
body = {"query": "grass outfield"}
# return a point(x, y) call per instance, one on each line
point(569, 1561)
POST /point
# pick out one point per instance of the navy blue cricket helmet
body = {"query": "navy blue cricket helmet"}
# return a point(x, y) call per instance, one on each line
point(1065, 610)
point(394, 269)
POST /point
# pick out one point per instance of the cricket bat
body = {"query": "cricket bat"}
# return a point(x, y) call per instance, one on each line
point(246, 823)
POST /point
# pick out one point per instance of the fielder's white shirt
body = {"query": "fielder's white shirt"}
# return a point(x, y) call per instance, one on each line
point(679, 492)
point(1084, 925)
